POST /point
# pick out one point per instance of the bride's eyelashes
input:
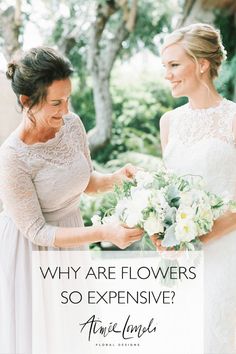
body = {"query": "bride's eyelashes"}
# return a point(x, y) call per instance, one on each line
point(172, 65)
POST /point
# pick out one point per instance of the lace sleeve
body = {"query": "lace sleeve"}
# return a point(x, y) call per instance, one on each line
point(20, 201)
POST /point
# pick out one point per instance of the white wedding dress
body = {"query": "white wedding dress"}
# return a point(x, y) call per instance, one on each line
point(201, 142)
point(40, 187)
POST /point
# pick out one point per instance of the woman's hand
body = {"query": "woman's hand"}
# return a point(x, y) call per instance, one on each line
point(157, 243)
point(100, 183)
point(121, 236)
point(125, 173)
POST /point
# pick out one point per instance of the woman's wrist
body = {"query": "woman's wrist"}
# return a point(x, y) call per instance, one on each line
point(112, 179)
point(103, 233)
point(105, 183)
point(115, 177)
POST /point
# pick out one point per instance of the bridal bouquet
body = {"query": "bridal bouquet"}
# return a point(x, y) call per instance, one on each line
point(178, 209)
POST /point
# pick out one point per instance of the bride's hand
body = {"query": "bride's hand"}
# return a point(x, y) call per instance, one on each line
point(121, 235)
point(222, 226)
point(207, 237)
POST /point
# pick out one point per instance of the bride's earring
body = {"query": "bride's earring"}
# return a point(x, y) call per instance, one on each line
point(201, 71)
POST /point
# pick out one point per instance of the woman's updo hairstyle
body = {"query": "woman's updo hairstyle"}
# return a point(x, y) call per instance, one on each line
point(35, 71)
point(200, 40)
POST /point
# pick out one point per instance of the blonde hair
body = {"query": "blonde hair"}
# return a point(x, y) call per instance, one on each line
point(199, 40)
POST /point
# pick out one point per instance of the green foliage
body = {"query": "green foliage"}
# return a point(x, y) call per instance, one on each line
point(153, 18)
point(226, 82)
point(82, 102)
point(226, 24)
point(137, 108)
point(72, 33)
point(124, 191)
point(90, 206)
point(147, 162)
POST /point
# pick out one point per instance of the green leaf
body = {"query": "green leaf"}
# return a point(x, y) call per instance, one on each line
point(169, 238)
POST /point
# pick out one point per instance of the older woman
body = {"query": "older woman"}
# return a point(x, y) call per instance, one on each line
point(44, 167)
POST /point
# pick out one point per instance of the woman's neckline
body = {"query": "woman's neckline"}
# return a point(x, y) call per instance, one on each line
point(41, 143)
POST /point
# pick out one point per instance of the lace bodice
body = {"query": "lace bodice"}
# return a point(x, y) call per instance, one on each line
point(192, 125)
point(42, 182)
point(201, 142)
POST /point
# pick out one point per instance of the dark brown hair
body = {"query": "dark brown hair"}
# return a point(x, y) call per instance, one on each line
point(35, 71)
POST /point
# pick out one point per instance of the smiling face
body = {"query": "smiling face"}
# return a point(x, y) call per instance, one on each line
point(181, 71)
point(50, 112)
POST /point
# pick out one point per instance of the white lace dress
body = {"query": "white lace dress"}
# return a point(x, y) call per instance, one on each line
point(40, 187)
point(201, 142)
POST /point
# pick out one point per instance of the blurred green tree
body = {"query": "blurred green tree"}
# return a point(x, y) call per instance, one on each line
point(113, 29)
point(11, 25)
point(225, 21)
point(94, 34)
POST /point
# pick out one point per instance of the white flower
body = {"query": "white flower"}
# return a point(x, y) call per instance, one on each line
point(204, 213)
point(158, 200)
point(150, 205)
point(143, 179)
point(140, 197)
point(121, 206)
point(153, 225)
point(112, 219)
point(186, 198)
point(186, 231)
point(129, 211)
point(194, 196)
point(204, 219)
point(185, 214)
point(96, 220)
point(132, 218)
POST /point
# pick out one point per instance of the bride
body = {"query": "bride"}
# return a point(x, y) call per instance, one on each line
point(199, 138)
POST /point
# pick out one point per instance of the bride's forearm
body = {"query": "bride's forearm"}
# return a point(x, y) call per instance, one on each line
point(222, 226)
point(77, 236)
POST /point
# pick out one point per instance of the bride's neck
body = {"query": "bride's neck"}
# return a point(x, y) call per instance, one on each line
point(204, 97)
